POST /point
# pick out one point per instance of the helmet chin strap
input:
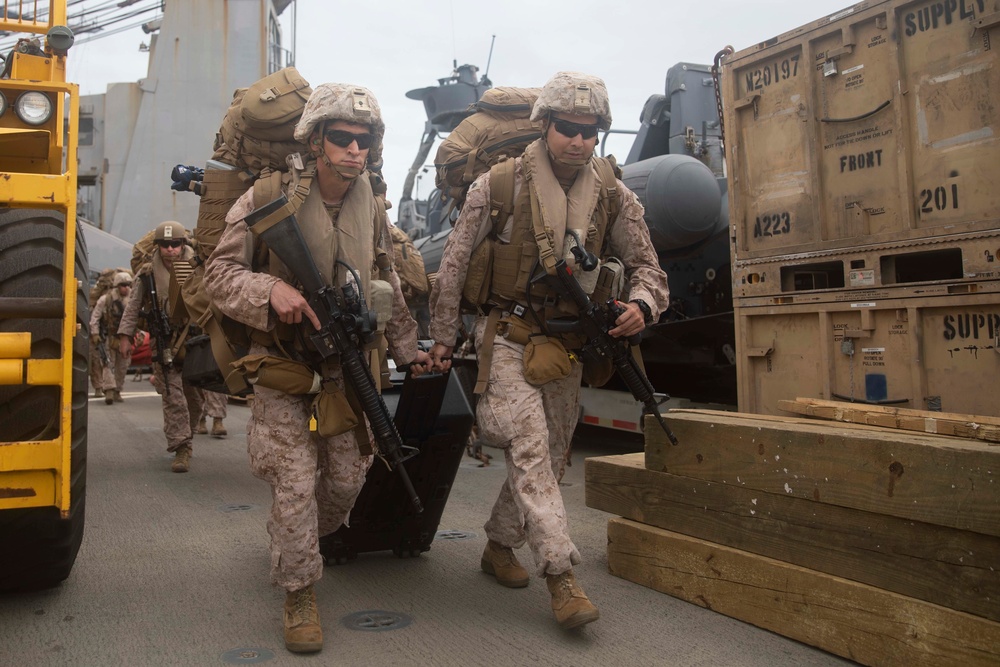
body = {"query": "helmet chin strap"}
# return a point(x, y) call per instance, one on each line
point(575, 164)
point(345, 173)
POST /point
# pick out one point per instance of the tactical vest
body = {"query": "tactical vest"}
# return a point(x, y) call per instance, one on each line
point(370, 261)
point(113, 310)
point(514, 263)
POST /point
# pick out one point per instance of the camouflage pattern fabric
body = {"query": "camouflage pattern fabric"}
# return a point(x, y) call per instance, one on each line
point(180, 407)
point(347, 102)
point(533, 426)
point(562, 93)
point(285, 454)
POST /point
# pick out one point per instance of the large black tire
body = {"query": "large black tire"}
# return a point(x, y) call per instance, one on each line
point(38, 546)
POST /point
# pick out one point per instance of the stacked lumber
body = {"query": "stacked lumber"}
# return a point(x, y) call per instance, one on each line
point(882, 546)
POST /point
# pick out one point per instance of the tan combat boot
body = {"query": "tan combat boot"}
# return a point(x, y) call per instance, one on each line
point(98, 393)
point(182, 460)
point(109, 397)
point(118, 397)
point(501, 562)
point(218, 430)
point(569, 602)
point(201, 428)
point(303, 633)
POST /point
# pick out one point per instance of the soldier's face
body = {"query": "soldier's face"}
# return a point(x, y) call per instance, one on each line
point(575, 147)
point(123, 290)
point(170, 250)
point(351, 155)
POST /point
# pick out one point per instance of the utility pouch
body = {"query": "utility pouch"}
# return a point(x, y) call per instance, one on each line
point(476, 290)
point(610, 281)
point(597, 371)
point(332, 411)
point(291, 377)
point(380, 292)
point(545, 360)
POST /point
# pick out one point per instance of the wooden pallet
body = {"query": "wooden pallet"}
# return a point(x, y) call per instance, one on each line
point(977, 427)
point(879, 545)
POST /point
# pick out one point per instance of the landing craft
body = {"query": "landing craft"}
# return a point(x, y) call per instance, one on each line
point(676, 168)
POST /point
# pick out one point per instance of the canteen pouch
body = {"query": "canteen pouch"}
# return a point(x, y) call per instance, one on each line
point(291, 377)
point(545, 360)
point(597, 371)
point(333, 411)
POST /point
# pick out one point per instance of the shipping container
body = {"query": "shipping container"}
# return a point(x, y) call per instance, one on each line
point(876, 124)
point(864, 216)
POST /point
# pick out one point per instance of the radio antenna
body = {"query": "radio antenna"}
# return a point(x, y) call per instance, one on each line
point(489, 59)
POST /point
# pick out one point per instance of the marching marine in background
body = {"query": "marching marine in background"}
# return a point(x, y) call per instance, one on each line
point(212, 404)
point(556, 206)
point(409, 266)
point(157, 295)
point(315, 471)
point(105, 319)
point(97, 354)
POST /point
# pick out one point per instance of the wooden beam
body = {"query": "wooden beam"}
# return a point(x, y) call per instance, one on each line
point(941, 423)
point(953, 568)
point(863, 623)
point(933, 479)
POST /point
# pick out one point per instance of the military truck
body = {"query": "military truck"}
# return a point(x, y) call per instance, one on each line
point(43, 306)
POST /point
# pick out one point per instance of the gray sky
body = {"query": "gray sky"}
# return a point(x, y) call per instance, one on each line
point(392, 46)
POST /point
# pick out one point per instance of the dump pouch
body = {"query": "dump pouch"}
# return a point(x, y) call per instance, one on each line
point(333, 412)
point(597, 371)
point(545, 360)
point(291, 377)
point(476, 289)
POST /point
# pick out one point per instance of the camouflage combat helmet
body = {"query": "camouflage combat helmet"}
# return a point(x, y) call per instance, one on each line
point(347, 102)
point(122, 278)
point(170, 231)
point(574, 93)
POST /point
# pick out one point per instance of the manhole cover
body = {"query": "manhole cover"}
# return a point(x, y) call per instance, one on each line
point(236, 508)
point(247, 656)
point(376, 621)
point(453, 535)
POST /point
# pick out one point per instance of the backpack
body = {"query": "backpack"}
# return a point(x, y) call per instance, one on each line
point(409, 265)
point(500, 128)
point(251, 148)
point(255, 139)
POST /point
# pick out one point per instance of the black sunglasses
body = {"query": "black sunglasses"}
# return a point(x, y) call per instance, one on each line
point(345, 139)
point(170, 244)
point(568, 129)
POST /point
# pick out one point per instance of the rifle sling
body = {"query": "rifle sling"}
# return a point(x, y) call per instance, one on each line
point(486, 354)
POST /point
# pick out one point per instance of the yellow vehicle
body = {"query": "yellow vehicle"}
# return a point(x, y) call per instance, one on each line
point(43, 308)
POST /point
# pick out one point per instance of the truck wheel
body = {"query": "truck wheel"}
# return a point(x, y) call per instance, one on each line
point(37, 545)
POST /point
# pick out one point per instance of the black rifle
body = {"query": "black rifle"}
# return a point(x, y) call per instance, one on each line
point(341, 332)
point(595, 322)
point(102, 343)
point(159, 328)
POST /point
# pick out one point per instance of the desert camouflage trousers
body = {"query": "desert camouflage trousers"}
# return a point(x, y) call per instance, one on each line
point(533, 426)
point(211, 404)
point(181, 407)
point(314, 482)
point(114, 373)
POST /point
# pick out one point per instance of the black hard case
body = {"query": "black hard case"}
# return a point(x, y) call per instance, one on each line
point(434, 415)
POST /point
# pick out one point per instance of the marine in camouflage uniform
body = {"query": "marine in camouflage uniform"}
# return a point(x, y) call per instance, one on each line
point(314, 480)
point(180, 400)
point(109, 310)
point(532, 424)
point(211, 404)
